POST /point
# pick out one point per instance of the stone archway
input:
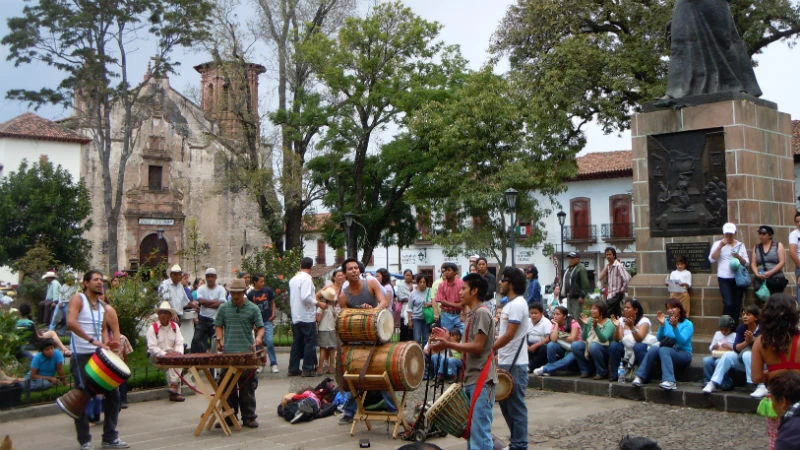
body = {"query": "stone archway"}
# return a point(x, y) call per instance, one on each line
point(153, 251)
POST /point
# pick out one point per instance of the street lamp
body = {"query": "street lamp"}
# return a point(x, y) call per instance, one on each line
point(511, 201)
point(348, 223)
point(562, 217)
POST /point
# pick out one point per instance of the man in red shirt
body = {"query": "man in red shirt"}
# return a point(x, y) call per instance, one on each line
point(448, 298)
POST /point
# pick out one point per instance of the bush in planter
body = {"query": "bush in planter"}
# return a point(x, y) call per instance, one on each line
point(11, 340)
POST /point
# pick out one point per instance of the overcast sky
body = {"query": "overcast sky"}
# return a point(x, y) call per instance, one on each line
point(469, 23)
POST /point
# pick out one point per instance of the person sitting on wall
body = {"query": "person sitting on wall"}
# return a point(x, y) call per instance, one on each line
point(44, 367)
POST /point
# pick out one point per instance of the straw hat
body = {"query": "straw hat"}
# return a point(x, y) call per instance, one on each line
point(165, 306)
point(329, 294)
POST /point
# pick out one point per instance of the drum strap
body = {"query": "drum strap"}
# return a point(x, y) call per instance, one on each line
point(478, 388)
point(364, 368)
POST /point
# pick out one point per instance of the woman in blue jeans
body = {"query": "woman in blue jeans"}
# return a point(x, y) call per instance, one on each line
point(598, 332)
point(566, 333)
point(633, 330)
point(674, 350)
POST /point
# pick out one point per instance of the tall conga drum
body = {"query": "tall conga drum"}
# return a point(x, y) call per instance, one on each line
point(105, 371)
point(403, 361)
point(365, 325)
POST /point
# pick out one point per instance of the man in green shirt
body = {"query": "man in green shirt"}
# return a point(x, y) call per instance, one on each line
point(234, 324)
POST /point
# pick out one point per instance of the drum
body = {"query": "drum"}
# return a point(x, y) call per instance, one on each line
point(403, 361)
point(505, 384)
point(105, 371)
point(365, 325)
point(450, 412)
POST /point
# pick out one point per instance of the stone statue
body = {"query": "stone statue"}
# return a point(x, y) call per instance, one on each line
point(707, 56)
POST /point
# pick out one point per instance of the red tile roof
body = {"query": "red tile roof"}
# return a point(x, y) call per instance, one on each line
point(592, 166)
point(31, 126)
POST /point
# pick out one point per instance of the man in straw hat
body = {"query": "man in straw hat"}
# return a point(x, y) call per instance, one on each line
point(51, 297)
point(165, 338)
point(234, 324)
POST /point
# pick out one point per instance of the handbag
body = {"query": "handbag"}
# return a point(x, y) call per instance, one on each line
point(741, 275)
point(762, 293)
point(776, 283)
point(427, 311)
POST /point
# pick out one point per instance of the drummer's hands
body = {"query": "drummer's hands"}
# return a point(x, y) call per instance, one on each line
point(366, 306)
point(102, 345)
point(437, 346)
point(438, 333)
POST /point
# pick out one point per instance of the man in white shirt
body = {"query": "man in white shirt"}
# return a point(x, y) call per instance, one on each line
point(512, 337)
point(171, 290)
point(303, 303)
point(164, 338)
point(210, 296)
point(539, 329)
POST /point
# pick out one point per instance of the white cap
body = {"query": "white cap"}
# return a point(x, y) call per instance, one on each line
point(176, 268)
point(729, 228)
point(211, 271)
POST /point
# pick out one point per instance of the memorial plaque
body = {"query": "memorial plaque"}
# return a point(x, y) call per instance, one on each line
point(688, 190)
point(695, 253)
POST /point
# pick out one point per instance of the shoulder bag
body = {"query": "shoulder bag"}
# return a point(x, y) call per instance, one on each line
point(742, 276)
point(775, 283)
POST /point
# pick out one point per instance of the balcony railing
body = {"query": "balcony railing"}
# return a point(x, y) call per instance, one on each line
point(617, 232)
point(580, 234)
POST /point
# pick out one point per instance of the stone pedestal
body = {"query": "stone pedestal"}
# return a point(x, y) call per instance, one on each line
point(759, 169)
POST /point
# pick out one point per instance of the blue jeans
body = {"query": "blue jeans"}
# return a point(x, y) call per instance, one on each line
point(557, 358)
point(350, 406)
point(38, 384)
point(579, 350)
point(273, 360)
point(480, 435)
point(599, 354)
point(304, 346)
point(670, 359)
point(731, 297)
point(514, 409)
point(438, 365)
point(59, 315)
point(421, 331)
point(451, 320)
point(616, 350)
point(718, 369)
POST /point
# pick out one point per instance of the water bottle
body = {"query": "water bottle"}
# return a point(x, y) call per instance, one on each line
point(621, 374)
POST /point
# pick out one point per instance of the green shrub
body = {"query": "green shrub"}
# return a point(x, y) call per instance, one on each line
point(134, 300)
point(277, 268)
point(10, 342)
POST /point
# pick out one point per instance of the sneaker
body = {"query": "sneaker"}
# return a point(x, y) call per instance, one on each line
point(637, 382)
point(297, 416)
point(275, 368)
point(250, 423)
point(87, 446)
point(668, 385)
point(116, 443)
point(710, 386)
point(539, 372)
point(345, 420)
point(760, 392)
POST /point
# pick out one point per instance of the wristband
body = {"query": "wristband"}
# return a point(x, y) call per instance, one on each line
point(91, 341)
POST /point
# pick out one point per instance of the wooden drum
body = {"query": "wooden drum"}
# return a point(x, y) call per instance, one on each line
point(365, 325)
point(450, 412)
point(105, 371)
point(505, 384)
point(403, 361)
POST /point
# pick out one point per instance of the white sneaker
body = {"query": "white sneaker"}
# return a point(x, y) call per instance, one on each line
point(275, 369)
point(760, 392)
point(668, 385)
point(637, 382)
point(87, 446)
point(710, 386)
point(539, 371)
point(297, 416)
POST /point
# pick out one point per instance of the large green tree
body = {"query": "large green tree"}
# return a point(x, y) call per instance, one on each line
point(601, 59)
point(41, 205)
point(90, 43)
point(378, 69)
point(485, 140)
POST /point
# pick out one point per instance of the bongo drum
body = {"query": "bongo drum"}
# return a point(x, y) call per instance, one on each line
point(403, 361)
point(105, 371)
point(365, 325)
point(450, 412)
point(505, 384)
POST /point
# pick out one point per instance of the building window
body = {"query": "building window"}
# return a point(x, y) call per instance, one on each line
point(321, 251)
point(621, 223)
point(580, 218)
point(154, 178)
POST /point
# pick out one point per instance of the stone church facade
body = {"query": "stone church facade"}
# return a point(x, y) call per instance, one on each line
point(176, 173)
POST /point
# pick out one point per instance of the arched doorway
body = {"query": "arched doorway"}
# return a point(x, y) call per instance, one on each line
point(153, 250)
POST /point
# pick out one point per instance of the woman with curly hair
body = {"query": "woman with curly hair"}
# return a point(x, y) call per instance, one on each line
point(674, 350)
point(776, 348)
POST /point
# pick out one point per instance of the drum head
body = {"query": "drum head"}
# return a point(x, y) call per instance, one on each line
point(414, 365)
point(385, 326)
point(505, 384)
point(114, 362)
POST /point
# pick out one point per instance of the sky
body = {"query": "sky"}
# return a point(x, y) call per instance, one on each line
point(468, 23)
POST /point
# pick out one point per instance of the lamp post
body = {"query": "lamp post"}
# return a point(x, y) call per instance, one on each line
point(511, 201)
point(348, 223)
point(562, 217)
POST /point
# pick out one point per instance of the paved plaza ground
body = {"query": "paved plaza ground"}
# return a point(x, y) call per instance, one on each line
point(557, 421)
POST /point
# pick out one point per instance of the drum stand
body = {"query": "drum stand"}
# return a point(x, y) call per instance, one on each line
point(399, 417)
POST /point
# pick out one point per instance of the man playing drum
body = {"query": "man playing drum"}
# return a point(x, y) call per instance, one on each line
point(476, 345)
point(360, 293)
point(87, 318)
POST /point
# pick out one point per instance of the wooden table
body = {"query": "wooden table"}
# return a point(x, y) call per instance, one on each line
point(215, 393)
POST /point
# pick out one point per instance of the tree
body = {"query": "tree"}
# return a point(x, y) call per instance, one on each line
point(195, 246)
point(41, 206)
point(378, 69)
point(484, 141)
point(302, 113)
point(600, 60)
point(90, 41)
